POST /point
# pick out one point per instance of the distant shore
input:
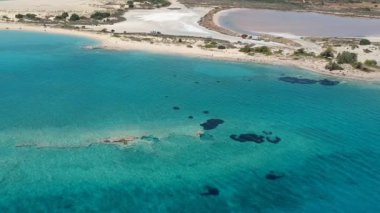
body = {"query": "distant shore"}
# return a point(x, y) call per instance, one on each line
point(107, 41)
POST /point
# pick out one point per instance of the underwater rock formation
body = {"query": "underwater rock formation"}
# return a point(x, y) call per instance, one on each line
point(176, 108)
point(274, 139)
point(210, 191)
point(326, 82)
point(211, 123)
point(250, 137)
point(274, 175)
point(206, 136)
point(295, 80)
point(150, 138)
point(206, 112)
point(125, 140)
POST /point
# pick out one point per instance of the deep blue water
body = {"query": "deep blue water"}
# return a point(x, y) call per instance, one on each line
point(58, 102)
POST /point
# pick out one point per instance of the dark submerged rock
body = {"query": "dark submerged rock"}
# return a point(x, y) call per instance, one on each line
point(206, 136)
point(327, 82)
point(150, 138)
point(211, 123)
point(273, 175)
point(274, 139)
point(248, 138)
point(267, 132)
point(210, 191)
point(206, 112)
point(295, 80)
point(190, 117)
point(176, 108)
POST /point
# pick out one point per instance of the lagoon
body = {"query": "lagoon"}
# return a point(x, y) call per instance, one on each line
point(59, 101)
point(256, 21)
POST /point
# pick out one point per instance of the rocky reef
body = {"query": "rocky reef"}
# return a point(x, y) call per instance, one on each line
point(295, 80)
point(212, 123)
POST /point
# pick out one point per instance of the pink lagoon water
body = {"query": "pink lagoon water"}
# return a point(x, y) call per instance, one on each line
point(254, 21)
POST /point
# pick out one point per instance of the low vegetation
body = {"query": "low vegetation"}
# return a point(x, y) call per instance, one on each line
point(303, 52)
point(332, 65)
point(100, 15)
point(364, 42)
point(328, 53)
point(347, 58)
point(370, 63)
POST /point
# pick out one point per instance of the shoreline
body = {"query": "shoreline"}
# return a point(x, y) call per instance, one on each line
point(107, 41)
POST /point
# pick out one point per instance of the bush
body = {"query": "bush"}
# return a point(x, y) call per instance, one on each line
point(370, 63)
point(74, 17)
point(31, 16)
point(64, 15)
point(328, 53)
point(364, 42)
point(246, 49)
point(19, 16)
point(100, 15)
point(221, 47)
point(347, 58)
point(333, 66)
point(302, 52)
point(360, 66)
point(263, 49)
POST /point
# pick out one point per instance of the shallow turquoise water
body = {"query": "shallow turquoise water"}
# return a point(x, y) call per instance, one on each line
point(59, 101)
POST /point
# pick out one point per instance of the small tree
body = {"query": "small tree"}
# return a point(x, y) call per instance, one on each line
point(100, 15)
point(332, 65)
point(364, 42)
point(263, 50)
point(246, 49)
point(64, 15)
point(347, 58)
point(19, 16)
point(130, 4)
point(74, 17)
point(328, 53)
point(31, 16)
point(370, 63)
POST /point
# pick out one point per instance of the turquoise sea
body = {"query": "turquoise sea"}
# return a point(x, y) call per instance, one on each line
point(58, 102)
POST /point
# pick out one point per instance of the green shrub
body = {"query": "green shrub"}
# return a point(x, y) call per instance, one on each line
point(74, 17)
point(347, 58)
point(221, 47)
point(246, 49)
point(302, 52)
point(263, 50)
point(31, 16)
point(364, 42)
point(19, 16)
point(370, 63)
point(328, 53)
point(100, 15)
point(333, 66)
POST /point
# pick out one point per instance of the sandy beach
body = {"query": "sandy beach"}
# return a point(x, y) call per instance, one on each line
point(106, 41)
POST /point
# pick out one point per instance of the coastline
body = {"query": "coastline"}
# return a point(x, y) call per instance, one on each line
point(107, 41)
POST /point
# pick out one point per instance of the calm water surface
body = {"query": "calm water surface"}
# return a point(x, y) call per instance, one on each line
point(297, 23)
point(59, 101)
